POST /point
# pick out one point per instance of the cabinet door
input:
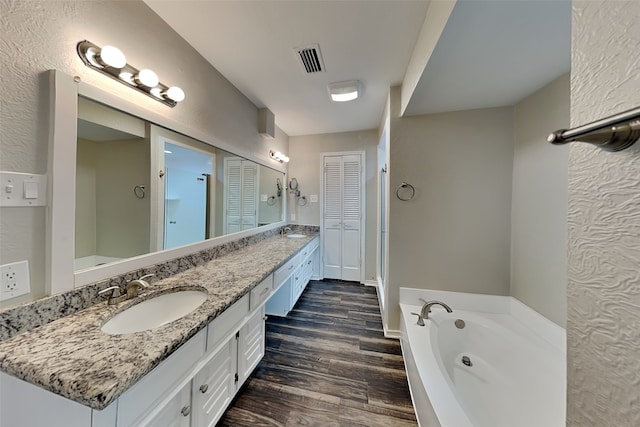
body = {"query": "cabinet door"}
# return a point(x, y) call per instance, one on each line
point(215, 385)
point(175, 413)
point(250, 345)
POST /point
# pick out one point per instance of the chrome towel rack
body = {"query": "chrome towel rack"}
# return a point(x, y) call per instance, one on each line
point(613, 133)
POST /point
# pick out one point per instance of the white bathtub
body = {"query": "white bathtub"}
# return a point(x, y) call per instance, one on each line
point(517, 373)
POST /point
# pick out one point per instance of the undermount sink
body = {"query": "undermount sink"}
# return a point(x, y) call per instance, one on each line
point(155, 312)
point(296, 236)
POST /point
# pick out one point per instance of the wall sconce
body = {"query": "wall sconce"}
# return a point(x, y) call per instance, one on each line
point(111, 62)
point(278, 156)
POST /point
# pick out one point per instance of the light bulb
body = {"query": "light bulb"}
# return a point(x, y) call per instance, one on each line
point(147, 78)
point(111, 56)
point(127, 77)
point(157, 92)
point(174, 93)
point(343, 97)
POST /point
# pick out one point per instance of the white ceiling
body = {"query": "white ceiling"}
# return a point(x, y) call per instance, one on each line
point(495, 53)
point(491, 53)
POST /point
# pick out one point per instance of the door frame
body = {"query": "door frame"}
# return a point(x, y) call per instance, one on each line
point(363, 200)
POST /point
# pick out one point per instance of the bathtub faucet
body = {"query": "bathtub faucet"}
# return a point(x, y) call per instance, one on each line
point(426, 308)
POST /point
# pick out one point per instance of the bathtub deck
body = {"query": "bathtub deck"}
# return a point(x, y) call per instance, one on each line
point(327, 364)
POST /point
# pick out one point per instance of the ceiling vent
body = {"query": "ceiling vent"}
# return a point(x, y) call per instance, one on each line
point(311, 58)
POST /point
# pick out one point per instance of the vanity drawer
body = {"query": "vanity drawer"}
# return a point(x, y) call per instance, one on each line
point(260, 293)
point(230, 319)
point(284, 272)
point(308, 250)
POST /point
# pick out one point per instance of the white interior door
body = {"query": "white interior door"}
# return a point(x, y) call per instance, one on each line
point(185, 207)
point(342, 216)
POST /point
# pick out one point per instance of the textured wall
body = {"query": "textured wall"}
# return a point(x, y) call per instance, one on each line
point(305, 167)
point(539, 202)
point(603, 325)
point(455, 234)
point(42, 35)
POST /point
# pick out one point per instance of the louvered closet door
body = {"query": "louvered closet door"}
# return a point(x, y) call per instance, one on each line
point(342, 197)
point(249, 195)
point(232, 195)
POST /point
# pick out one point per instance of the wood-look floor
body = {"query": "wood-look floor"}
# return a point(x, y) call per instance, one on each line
point(327, 364)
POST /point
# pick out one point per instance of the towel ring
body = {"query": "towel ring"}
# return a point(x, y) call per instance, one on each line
point(302, 201)
point(411, 189)
point(271, 200)
point(138, 190)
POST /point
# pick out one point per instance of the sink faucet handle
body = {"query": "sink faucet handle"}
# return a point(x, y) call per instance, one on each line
point(420, 319)
point(112, 291)
point(147, 275)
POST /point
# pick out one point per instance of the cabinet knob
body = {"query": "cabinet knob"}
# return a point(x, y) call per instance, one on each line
point(186, 411)
point(204, 388)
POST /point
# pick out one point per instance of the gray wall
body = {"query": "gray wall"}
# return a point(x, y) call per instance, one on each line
point(455, 234)
point(304, 152)
point(539, 202)
point(42, 35)
point(603, 323)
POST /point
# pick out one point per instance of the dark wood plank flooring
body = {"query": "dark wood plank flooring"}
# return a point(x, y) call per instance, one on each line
point(327, 364)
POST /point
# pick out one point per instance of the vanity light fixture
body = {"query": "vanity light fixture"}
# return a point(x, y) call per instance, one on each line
point(278, 156)
point(110, 61)
point(344, 91)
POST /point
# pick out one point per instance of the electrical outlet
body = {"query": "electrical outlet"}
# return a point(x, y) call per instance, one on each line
point(14, 280)
point(293, 217)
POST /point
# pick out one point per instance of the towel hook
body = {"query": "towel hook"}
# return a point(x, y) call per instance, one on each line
point(412, 191)
point(138, 190)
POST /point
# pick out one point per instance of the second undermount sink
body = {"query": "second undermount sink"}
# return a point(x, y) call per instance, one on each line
point(155, 312)
point(296, 236)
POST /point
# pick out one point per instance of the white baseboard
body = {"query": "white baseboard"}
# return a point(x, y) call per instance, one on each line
point(370, 283)
point(392, 333)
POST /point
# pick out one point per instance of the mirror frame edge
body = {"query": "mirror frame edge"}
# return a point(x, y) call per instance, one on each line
point(60, 237)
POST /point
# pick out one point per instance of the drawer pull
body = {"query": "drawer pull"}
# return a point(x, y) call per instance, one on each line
point(264, 317)
point(204, 388)
point(264, 291)
point(186, 411)
point(290, 267)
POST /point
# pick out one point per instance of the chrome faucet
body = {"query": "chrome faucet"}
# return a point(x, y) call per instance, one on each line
point(426, 308)
point(132, 289)
point(134, 286)
point(283, 232)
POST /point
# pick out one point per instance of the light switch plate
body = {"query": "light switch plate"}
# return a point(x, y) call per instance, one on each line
point(14, 280)
point(313, 198)
point(22, 189)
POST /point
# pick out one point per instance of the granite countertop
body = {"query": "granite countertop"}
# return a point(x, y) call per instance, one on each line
point(72, 357)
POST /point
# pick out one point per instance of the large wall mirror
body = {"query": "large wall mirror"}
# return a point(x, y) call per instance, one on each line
point(130, 188)
point(200, 191)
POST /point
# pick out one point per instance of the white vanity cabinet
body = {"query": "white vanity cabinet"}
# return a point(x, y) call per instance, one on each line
point(191, 388)
point(290, 280)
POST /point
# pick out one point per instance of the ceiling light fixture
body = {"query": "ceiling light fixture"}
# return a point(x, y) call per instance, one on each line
point(278, 156)
point(344, 91)
point(111, 62)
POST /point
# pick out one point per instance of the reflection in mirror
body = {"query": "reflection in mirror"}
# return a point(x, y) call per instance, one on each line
point(201, 191)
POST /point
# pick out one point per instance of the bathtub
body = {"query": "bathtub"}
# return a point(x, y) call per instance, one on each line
point(513, 372)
